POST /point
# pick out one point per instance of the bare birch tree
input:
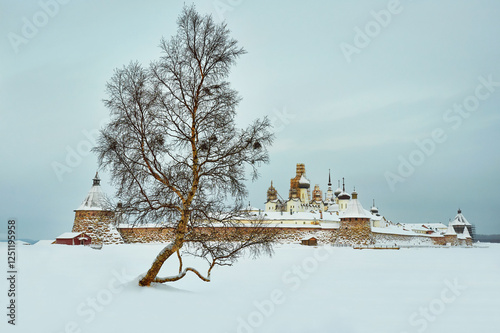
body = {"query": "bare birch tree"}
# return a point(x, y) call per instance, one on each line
point(175, 153)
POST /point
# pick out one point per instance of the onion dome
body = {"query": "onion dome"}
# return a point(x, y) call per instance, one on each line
point(304, 182)
point(343, 195)
point(317, 194)
point(338, 190)
point(272, 194)
point(374, 209)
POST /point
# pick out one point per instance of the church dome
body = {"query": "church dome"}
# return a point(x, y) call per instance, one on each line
point(272, 194)
point(333, 207)
point(304, 182)
point(344, 196)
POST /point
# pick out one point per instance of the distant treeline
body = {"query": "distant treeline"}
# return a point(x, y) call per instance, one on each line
point(488, 238)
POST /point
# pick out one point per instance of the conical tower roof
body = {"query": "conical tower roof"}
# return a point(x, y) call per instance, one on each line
point(355, 210)
point(96, 199)
point(460, 219)
point(466, 233)
point(450, 231)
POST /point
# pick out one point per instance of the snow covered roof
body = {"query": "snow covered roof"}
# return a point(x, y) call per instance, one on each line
point(250, 208)
point(355, 210)
point(69, 235)
point(466, 233)
point(333, 207)
point(450, 231)
point(460, 219)
point(344, 196)
point(420, 228)
point(395, 230)
point(431, 226)
point(96, 199)
point(304, 182)
point(436, 225)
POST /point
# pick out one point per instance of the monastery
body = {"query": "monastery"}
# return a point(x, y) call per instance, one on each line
point(336, 218)
point(343, 213)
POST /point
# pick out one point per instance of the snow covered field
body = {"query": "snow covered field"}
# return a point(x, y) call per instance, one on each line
point(300, 289)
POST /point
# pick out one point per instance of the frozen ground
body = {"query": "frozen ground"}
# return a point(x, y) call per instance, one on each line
point(300, 289)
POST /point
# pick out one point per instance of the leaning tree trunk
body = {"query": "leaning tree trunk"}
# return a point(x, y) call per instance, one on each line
point(159, 260)
point(167, 251)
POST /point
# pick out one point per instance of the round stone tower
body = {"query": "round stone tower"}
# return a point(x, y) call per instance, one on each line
point(450, 236)
point(96, 217)
point(355, 226)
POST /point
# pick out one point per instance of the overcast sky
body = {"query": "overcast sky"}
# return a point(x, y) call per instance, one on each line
point(400, 98)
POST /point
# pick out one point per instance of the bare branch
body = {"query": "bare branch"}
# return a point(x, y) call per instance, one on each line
point(181, 275)
point(174, 151)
